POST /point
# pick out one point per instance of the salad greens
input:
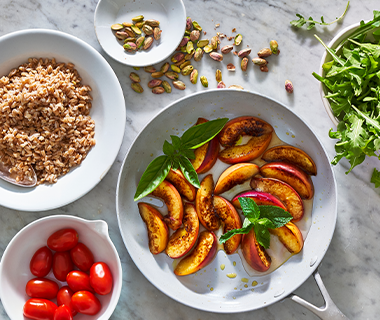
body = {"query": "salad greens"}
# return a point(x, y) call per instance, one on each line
point(261, 219)
point(177, 155)
point(311, 22)
point(353, 82)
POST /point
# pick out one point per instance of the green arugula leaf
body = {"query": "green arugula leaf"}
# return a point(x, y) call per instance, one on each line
point(200, 134)
point(247, 226)
point(262, 235)
point(376, 178)
point(154, 174)
point(188, 171)
point(278, 216)
point(250, 208)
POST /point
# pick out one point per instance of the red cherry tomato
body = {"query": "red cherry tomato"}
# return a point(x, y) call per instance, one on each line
point(63, 240)
point(42, 288)
point(41, 262)
point(78, 280)
point(82, 257)
point(101, 278)
point(39, 309)
point(64, 297)
point(63, 313)
point(62, 265)
point(86, 302)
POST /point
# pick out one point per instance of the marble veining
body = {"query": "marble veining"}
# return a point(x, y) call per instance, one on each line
point(351, 266)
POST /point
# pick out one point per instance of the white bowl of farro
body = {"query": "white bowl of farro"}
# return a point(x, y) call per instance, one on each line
point(171, 15)
point(61, 105)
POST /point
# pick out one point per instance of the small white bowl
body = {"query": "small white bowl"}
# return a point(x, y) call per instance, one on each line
point(170, 13)
point(14, 267)
point(346, 32)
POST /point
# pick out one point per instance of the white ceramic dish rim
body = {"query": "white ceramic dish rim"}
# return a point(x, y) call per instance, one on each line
point(116, 291)
point(304, 276)
point(118, 121)
point(125, 62)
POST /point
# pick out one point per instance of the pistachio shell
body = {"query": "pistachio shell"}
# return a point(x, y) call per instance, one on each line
point(231, 67)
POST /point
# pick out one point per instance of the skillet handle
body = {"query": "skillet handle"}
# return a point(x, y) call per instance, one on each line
point(329, 311)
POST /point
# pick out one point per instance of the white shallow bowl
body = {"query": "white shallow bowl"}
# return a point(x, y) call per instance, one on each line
point(108, 111)
point(170, 13)
point(15, 272)
point(210, 289)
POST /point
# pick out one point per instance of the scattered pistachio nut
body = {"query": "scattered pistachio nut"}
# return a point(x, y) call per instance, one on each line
point(187, 70)
point(216, 56)
point(175, 68)
point(221, 84)
point(147, 43)
point(231, 67)
point(172, 75)
point(165, 67)
point(208, 48)
point(238, 39)
point(244, 64)
point(183, 49)
point(194, 76)
point(243, 53)
point(148, 30)
point(190, 47)
point(189, 24)
point(127, 24)
point(218, 75)
point(184, 41)
point(289, 86)
point(179, 85)
point(117, 27)
point(180, 62)
point(157, 33)
point(198, 54)
point(121, 35)
point(130, 40)
point(259, 61)
point(158, 90)
point(167, 86)
point(138, 18)
point(130, 46)
point(227, 49)
point(196, 26)
point(130, 32)
point(187, 33)
point(154, 83)
point(137, 87)
point(135, 29)
point(274, 46)
point(150, 69)
point(204, 81)
point(202, 43)
point(214, 42)
point(153, 23)
point(185, 64)
point(264, 53)
point(134, 77)
point(157, 74)
point(140, 41)
point(264, 68)
point(189, 56)
point(194, 35)
point(177, 57)
point(136, 68)
point(139, 24)
point(235, 86)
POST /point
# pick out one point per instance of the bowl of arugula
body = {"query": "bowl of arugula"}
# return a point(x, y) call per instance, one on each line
point(350, 91)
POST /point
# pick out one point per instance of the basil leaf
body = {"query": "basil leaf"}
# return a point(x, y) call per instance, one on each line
point(198, 135)
point(187, 153)
point(175, 163)
point(262, 235)
point(168, 148)
point(176, 141)
point(247, 226)
point(188, 171)
point(276, 215)
point(250, 208)
point(154, 174)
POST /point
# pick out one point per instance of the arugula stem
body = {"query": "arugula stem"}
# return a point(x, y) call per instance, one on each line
point(369, 120)
point(328, 23)
point(335, 57)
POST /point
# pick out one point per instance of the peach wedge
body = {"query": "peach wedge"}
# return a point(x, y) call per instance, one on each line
point(200, 257)
point(290, 236)
point(169, 194)
point(184, 187)
point(293, 155)
point(261, 199)
point(254, 253)
point(158, 233)
point(183, 239)
point(234, 175)
point(230, 220)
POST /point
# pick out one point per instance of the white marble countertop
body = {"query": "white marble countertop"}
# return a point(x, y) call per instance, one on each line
point(350, 269)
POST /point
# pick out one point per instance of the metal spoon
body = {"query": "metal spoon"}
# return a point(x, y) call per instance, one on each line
point(11, 177)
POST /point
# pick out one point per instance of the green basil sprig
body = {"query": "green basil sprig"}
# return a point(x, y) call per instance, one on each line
point(260, 218)
point(177, 155)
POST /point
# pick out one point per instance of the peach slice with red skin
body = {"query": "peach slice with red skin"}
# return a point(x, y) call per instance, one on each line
point(200, 257)
point(234, 175)
point(184, 187)
point(280, 189)
point(290, 236)
point(230, 220)
point(205, 206)
point(292, 155)
point(290, 174)
point(259, 130)
point(158, 233)
point(169, 194)
point(206, 155)
point(183, 239)
point(254, 253)
point(261, 199)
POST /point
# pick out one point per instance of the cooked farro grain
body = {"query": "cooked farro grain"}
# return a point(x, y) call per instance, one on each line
point(44, 119)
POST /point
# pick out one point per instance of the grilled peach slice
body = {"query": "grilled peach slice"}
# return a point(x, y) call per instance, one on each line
point(184, 187)
point(185, 237)
point(230, 220)
point(169, 194)
point(234, 175)
point(254, 253)
point(200, 257)
point(204, 204)
point(206, 155)
point(259, 130)
point(293, 155)
point(290, 174)
point(158, 233)
point(261, 198)
point(282, 191)
point(290, 236)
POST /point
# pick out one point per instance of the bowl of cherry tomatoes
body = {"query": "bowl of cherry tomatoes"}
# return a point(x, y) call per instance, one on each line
point(61, 268)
